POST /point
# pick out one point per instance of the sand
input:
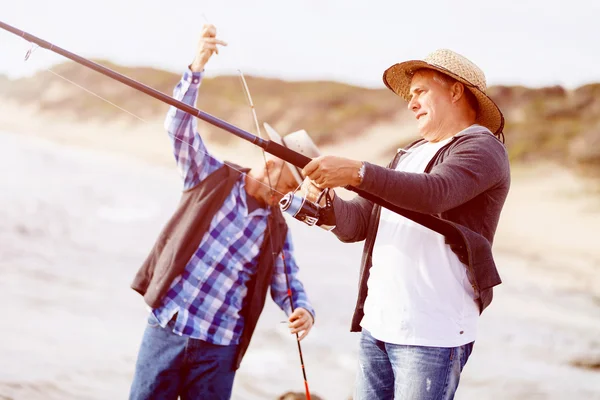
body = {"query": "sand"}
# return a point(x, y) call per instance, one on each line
point(82, 203)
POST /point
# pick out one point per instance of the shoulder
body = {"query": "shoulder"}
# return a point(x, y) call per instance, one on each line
point(479, 151)
point(481, 142)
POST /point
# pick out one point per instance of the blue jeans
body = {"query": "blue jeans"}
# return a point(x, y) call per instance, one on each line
point(170, 365)
point(390, 371)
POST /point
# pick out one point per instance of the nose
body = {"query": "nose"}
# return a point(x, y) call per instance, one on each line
point(413, 105)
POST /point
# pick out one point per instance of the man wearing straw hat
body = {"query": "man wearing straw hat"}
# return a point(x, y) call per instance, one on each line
point(226, 246)
point(420, 295)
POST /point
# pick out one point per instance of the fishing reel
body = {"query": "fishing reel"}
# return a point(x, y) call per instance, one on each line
point(310, 213)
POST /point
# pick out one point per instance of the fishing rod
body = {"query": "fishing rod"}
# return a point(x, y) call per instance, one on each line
point(301, 209)
point(285, 269)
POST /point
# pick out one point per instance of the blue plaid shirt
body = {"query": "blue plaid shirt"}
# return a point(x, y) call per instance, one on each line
point(208, 295)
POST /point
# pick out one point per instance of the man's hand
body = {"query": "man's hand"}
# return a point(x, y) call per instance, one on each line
point(206, 47)
point(300, 321)
point(310, 190)
point(331, 171)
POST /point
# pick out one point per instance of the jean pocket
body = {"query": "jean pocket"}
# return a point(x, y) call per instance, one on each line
point(152, 321)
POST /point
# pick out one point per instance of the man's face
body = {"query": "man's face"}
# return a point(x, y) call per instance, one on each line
point(431, 103)
point(282, 180)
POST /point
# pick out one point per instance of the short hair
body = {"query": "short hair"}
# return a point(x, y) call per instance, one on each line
point(448, 81)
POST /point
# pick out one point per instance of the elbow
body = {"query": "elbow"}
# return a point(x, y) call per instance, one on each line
point(432, 207)
point(341, 237)
point(351, 221)
point(433, 202)
point(169, 119)
point(423, 204)
point(346, 238)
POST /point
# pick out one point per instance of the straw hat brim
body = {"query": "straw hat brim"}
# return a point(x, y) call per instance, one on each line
point(299, 141)
point(398, 78)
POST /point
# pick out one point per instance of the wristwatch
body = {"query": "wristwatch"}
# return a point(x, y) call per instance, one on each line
point(361, 173)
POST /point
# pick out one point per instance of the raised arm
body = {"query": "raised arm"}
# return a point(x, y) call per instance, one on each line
point(193, 159)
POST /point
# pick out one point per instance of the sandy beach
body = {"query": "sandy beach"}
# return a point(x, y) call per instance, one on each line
point(81, 207)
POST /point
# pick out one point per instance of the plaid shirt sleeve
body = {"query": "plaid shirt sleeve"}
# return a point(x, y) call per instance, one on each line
point(279, 289)
point(193, 159)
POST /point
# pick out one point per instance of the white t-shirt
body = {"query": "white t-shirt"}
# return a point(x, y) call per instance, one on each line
point(419, 293)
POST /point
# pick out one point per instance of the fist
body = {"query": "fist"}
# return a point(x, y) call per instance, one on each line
point(312, 192)
point(331, 171)
point(301, 321)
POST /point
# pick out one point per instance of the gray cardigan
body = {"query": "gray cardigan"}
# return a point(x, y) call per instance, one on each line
point(465, 184)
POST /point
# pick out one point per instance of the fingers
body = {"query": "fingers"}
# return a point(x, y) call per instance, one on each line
point(311, 190)
point(303, 334)
point(306, 185)
point(211, 44)
point(315, 170)
point(332, 171)
point(300, 322)
point(311, 168)
point(209, 30)
point(214, 40)
point(208, 39)
point(207, 46)
point(320, 181)
point(316, 173)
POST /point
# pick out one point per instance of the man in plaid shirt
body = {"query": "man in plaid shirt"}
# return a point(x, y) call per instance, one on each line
point(190, 344)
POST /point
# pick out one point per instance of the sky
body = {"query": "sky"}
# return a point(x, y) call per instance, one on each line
point(526, 42)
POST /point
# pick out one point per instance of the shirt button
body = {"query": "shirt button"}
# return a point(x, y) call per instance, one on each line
point(195, 80)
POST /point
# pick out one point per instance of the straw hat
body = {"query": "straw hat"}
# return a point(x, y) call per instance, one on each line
point(298, 141)
point(398, 77)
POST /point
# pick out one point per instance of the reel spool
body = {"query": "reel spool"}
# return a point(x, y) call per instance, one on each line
point(308, 212)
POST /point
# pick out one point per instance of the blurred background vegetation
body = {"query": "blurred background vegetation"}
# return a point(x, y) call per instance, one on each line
point(549, 123)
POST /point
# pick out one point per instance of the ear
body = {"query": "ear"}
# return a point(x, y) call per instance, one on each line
point(457, 90)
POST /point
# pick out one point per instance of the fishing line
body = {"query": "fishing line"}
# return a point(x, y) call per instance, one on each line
point(175, 138)
point(151, 124)
point(285, 267)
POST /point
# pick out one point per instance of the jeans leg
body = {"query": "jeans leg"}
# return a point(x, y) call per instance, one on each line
point(209, 371)
point(375, 377)
point(461, 355)
point(160, 358)
point(427, 373)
